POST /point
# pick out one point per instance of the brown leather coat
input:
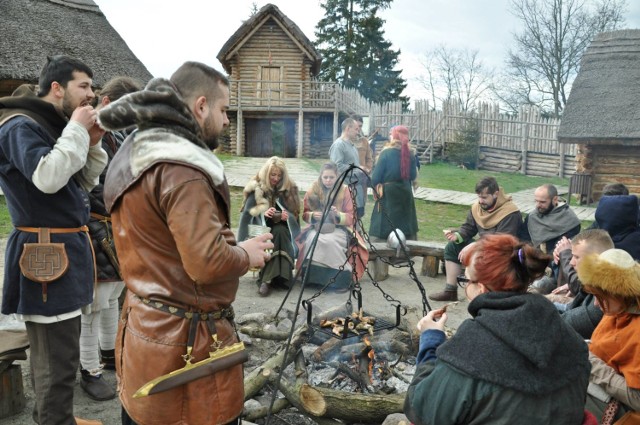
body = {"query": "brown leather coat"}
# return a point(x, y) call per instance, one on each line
point(175, 245)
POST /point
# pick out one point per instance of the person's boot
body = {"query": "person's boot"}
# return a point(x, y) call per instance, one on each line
point(96, 386)
point(108, 359)
point(446, 295)
point(80, 421)
point(264, 289)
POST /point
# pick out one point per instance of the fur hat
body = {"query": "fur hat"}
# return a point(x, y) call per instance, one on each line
point(614, 271)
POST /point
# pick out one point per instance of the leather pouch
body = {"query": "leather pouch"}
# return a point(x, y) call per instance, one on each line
point(44, 261)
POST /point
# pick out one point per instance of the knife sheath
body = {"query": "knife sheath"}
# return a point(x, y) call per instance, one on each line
point(221, 359)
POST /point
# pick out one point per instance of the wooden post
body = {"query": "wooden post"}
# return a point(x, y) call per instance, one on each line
point(12, 398)
point(239, 123)
point(300, 133)
point(562, 154)
point(239, 126)
point(525, 147)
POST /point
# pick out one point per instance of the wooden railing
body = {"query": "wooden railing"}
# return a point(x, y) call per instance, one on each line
point(298, 95)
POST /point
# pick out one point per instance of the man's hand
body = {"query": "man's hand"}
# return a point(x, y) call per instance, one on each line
point(95, 134)
point(451, 236)
point(257, 249)
point(563, 244)
point(435, 319)
point(85, 116)
point(562, 289)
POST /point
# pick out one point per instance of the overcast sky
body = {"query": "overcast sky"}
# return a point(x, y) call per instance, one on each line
point(165, 34)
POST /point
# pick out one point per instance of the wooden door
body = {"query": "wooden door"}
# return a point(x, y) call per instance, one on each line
point(269, 92)
point(258, 134)
point(269, 137)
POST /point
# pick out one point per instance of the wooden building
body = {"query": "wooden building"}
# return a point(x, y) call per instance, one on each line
point(277, 106)
point(35, 29)
point(602, 114)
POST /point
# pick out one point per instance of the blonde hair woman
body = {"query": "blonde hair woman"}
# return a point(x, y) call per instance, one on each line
point(271, 199)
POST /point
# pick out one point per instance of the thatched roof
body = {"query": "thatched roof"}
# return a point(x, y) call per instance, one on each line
point(604, 104)
point(35, 29)
point(231, 47)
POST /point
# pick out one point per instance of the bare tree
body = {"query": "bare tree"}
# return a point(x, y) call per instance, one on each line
point(547, 52)
point(454, 74)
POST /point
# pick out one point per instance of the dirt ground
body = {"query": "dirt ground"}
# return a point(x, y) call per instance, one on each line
point(399, 286)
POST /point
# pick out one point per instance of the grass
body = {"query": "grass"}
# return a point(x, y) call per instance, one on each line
point(432, 216)
point(441, 175)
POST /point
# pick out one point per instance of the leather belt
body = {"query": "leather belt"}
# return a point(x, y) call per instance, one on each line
point(54, 229)
point(100, 217)
point(225, 313)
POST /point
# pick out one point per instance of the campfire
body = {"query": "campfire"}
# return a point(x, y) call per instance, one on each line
point(362, 378)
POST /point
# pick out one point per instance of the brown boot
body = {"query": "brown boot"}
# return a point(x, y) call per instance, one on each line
point(81, 421)
point(445, 296)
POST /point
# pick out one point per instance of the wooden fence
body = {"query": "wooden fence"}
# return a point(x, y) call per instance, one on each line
point(526, 143)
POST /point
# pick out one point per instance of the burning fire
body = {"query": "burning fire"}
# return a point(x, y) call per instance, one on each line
point(371, 354)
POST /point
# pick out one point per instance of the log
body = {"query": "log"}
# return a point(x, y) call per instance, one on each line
point(264, 334)
point(261, 412)
point(259, 376)
point(360, 408)
point(352, 407)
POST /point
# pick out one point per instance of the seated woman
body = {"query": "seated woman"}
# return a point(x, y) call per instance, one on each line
point(392, 177)
point(271, 199)
point(335, 247)
point(613, 277)
point(515, 362)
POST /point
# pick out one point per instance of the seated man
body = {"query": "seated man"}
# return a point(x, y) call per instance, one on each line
point(581, 314)
point(545, 226)
point(493, 213)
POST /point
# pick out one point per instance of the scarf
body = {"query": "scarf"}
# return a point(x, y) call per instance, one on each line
point(615, 341)
point(544, 227)
point(490, 219)
point(517, 341)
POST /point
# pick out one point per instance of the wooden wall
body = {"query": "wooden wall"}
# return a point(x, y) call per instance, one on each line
point(270, 47)
point(613, 164)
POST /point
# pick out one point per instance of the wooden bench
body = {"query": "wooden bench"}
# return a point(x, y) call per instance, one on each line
point(431, 253)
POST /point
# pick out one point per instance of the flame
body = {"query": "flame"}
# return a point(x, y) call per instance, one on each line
point(370, 354)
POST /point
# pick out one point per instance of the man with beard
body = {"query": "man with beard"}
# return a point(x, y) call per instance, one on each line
point(493, 213)
point(544, 228)
point(169, 203)
point(50, 157)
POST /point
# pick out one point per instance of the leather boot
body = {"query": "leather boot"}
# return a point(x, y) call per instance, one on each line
point(264, 289)
point(444, 296)
point(81, 421)
point(108, 359)
point(96, 387)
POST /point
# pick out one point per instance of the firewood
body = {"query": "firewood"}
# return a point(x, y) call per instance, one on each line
point(262, 411)
point(258, 377)
point(326, 403)
point(264, 334)
point(359, 408)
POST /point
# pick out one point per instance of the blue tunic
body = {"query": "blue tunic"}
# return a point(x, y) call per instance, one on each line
point(23, 143)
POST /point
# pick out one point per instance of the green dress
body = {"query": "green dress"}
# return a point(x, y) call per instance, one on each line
point(396, 208)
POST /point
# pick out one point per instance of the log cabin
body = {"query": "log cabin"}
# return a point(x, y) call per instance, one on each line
point(602, 114)
point(278, 107)
point(35, 29)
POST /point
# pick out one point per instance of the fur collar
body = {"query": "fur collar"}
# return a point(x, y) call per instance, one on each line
point(159, 145)
point(262, 203)
point(265, 198)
